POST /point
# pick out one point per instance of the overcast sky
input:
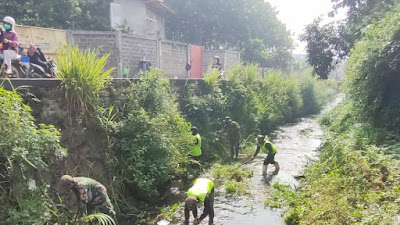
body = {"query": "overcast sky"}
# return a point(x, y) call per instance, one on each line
point(298, 13)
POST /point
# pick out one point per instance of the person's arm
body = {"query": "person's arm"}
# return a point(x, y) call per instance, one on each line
point(207, 208)
point(13, 43)
point(196, 141)
point(269, 147)
point(82, 195)
point(256, 153)
point(195, 213)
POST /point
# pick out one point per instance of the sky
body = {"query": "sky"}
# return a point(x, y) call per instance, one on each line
point(298, 13)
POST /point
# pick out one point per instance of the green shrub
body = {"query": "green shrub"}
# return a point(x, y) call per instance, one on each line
point(101, 219)
point(153, 139)
point(280, 196)
point(206, 111)
point(353, 182)
point(26, 150)
point(315, 93)
point(372, 70)
point(233, 176)
point(234, 187)
point(83, 77)
point(24, 146)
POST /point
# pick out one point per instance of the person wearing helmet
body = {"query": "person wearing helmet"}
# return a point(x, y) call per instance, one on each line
point(266, 146)
point(91, 194)
point(202, 191)
point(217, 64)
point(232, 129)
point(10, 43)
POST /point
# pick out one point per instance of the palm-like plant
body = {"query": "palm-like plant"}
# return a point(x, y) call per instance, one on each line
point(101, 219)
point(83, 77)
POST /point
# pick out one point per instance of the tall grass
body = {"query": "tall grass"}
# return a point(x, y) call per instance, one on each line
point(83, 77)
point(353, 182)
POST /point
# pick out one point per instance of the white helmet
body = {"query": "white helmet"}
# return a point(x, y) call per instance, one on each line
point(10, 20)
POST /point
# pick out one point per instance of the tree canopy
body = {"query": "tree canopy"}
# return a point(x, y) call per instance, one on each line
point(234, 24)
point(329, 43)
point(62, 14)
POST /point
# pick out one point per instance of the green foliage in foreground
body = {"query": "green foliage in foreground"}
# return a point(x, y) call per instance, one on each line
point(353, 182)
point(101, 219)
point(26, 150)
point(24, 146)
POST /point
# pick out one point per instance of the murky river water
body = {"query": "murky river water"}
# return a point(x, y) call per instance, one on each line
point(297, 144)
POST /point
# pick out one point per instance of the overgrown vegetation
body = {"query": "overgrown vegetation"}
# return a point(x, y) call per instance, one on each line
point(26, 151)
point(153, 139)
point(355, 181)
point(258, 105)
point(234, 176)
point(83, 77)
point(148, 130)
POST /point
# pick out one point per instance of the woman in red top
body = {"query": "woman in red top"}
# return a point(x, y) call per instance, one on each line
point(10, 42)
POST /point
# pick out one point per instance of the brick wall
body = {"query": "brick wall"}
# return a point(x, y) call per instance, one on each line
point(174, 57)
point(134, 49)
point(127, 50)
point(208, 58)
point(231, 59)
point(105, 42)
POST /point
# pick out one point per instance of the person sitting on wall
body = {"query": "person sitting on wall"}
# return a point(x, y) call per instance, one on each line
point(10, 43)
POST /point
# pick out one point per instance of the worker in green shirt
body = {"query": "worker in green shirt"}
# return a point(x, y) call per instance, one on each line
point(196, 147)
point(267, 147)
point(202, 191)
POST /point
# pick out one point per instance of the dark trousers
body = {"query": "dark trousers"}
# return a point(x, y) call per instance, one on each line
point(234, 148)
point(208, 209)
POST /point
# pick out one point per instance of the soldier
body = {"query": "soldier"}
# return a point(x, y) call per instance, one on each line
point(233, 133)
point(91, 194)
point(202, 191)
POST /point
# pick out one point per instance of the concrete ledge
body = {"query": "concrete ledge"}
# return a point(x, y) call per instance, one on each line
point(52, 83)
point(36, 82)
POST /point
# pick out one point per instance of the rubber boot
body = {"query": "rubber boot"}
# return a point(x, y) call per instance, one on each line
point(277, 168)
point(264, 170)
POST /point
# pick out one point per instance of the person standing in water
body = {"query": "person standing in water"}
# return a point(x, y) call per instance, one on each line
point(267, 147)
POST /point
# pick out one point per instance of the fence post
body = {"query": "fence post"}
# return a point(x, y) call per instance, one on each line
point(118, 38)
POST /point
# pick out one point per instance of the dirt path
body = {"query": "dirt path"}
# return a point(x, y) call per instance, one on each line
point(297, 144)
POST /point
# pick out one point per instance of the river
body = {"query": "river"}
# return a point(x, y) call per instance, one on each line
point(297, 144)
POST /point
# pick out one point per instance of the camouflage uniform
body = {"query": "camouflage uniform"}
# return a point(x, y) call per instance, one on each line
point(233, 133)
point(91, 194)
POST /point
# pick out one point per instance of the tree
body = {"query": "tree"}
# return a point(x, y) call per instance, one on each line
point(254, 52)
point(321, 45)
point(329, 44)
point(61, 14)
point(234, 24)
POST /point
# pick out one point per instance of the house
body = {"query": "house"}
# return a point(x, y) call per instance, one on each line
point(139, 17)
